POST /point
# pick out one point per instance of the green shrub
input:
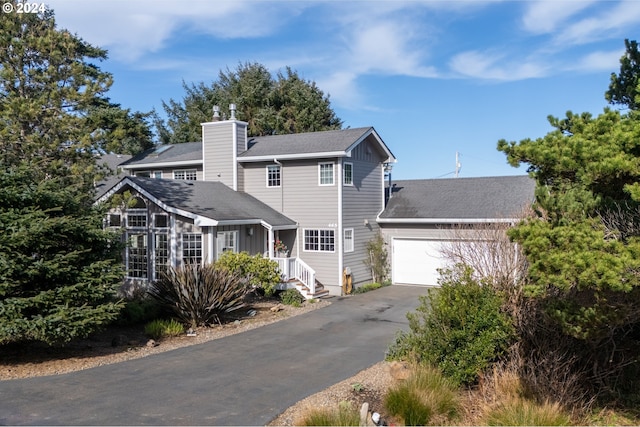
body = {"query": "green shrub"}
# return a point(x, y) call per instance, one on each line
point(161, 328)
point(200, 294)
point(523, 412)
point(458, 327)
point(292, 297)
point(262, 273)
point(426, 397)
point(344, 415)
point(139, 311)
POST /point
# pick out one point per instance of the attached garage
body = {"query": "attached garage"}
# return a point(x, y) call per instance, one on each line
point(420, 216)
point(416, 261)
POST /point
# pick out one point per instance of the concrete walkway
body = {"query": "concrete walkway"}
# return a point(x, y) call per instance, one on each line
point(244, 379)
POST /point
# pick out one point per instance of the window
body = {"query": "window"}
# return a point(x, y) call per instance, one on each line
point(347, 174)
point(325, 173)
point(160, 220)
point(319, 240)
point(136, 220)
point(138, 203)
point(191, 248)
point(161, 260)
point(137, 256)
point(156, 174)
point(189, 174)
point(144, 174)
point(227, 241)
point(348, 240)
point(273, 176)
point(114, 220)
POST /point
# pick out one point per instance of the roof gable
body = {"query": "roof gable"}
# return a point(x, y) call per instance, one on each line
point(207, 202)
point(459, 199)
point(330, 143)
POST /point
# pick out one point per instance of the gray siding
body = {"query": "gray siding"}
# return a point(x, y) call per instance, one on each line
point(301, 198)
point(362, 202)
point(218, 151)
point(253, 244)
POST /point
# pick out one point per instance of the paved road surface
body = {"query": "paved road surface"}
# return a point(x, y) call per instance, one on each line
point(244, 379)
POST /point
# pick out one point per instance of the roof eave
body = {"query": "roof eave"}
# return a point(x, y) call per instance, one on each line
point(294, 156)
point(446, 220)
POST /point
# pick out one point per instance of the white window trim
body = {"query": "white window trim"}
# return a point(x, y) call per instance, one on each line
point(108, 219)
point(221, 240)
point(153, 221)
point(333, 174)
point(185, 172)
point(155, 252)
point(279, 176)
point(183, 240)
point(139, 212)
point(128, 255)
point(344, 169)
point(352, 240)
point(304, 236)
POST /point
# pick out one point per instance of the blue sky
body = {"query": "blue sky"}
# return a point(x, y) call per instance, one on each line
point(433, 77)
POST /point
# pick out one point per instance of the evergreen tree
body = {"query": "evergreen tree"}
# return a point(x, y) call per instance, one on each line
point(58, 267)
point(624, 88)
point(584, 249)
point(284, 105)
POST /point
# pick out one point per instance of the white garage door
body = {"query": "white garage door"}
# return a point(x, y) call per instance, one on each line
point(416, 262)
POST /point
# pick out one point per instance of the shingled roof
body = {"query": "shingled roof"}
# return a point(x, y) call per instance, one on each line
point(168, 153)
point(458, 199)
point(298, 144)
point(210, 202)
point(330, 141)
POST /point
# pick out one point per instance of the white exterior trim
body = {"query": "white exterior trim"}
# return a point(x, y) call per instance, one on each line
point(267, 158)
point(333, 174)
point(234, 153)
point(390, 157)
point(446, 220)
point(339, 172)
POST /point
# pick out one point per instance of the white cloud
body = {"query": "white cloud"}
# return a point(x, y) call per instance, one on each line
point(488, 66)
point(387, 48)
point(545, 16)
point(598, 61)
point(614, 20)
point(130, 29)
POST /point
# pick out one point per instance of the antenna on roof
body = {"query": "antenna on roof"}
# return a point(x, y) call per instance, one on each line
point(458, 165)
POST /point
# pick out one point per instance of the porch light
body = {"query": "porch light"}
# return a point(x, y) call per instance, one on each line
point(250, 231)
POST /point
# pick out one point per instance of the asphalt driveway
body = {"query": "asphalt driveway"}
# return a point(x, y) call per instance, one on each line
point(244, 379)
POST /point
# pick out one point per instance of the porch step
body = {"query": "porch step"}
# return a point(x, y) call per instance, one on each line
point(321, 292)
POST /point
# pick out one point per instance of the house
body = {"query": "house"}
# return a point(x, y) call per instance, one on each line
point(309, 201)
point(317, 194)
point(423, 215)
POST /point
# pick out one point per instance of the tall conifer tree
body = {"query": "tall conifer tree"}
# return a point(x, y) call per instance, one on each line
point(58, 267)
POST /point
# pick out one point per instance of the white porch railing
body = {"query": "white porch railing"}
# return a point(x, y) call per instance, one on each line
point(295, 268)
